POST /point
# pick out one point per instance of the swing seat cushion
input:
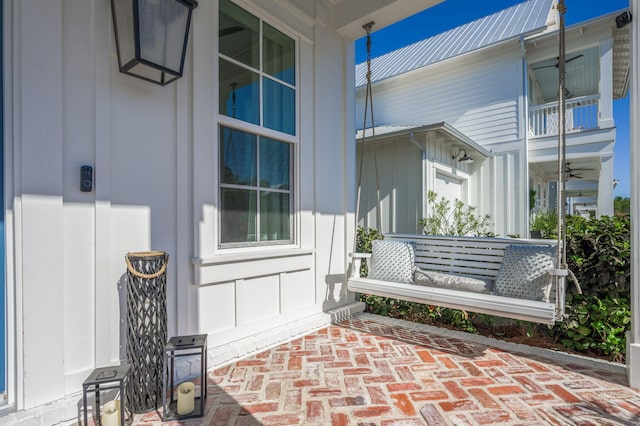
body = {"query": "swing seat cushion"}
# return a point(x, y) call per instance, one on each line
point(452, 282)
point(392, 261)
point(524, 273)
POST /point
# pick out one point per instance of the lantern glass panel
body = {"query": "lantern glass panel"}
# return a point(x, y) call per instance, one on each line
point(123, 23)
point(163, 30)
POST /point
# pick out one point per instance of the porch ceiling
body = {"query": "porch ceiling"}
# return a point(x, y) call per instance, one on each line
point(582, 74)
point(580, 169)
point(583, 59)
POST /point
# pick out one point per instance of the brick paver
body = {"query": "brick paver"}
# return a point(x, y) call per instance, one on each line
point(364, 371)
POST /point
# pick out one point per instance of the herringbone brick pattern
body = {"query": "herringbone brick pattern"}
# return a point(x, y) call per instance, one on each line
point(365, 372)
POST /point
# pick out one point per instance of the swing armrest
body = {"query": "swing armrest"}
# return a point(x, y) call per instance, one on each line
point(356, 261)
point(558, 272)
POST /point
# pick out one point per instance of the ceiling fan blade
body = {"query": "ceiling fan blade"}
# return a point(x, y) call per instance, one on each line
point(546, 66)
point(573, 59)
point(230, 30)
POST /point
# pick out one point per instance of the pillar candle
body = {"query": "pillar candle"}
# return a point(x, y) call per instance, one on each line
point(186, 398)
point(110, 413)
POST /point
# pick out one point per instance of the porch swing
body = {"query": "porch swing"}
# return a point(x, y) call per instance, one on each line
point(506, 277)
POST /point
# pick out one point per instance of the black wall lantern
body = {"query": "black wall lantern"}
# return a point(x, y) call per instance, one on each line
point(151, 37)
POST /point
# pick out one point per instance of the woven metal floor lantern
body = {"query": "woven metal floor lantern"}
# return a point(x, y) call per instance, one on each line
point(146, 327)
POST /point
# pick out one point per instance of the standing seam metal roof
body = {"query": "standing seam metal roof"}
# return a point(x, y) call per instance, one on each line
point(522, 18)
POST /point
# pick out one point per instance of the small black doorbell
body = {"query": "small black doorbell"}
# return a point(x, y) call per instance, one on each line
point(86, 178)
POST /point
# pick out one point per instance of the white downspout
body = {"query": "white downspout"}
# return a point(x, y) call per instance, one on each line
point(633, 337)
point(423, 178)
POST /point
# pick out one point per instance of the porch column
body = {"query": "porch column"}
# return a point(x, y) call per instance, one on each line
point(633, 338)
point(605, 187)
point(605, 104)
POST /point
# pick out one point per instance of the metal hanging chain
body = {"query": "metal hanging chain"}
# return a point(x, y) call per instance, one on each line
point(562, 150)
point(562, 111)
point(368, 104)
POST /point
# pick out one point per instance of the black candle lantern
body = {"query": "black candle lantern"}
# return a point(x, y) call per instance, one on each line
point(104, 394)
point(151, 37)
point(185, 377)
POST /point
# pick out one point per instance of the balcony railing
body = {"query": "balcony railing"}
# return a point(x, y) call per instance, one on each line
point(582, 114)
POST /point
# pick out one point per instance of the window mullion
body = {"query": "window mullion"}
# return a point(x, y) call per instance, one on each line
point(261, 72)
point(258, 191)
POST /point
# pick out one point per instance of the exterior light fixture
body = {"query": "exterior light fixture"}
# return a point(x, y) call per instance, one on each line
point(623, 19)
point(464, 159)
point(151, 37)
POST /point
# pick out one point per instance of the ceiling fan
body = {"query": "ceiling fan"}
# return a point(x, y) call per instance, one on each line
point(570, 169)
point(570, 172)
point(558, 62)
point(574, 175)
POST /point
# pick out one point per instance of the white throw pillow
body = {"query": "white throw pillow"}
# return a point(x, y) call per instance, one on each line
point(524, 273)
point(392, 261)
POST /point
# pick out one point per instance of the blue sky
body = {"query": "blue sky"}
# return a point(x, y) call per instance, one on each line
point(452, 13)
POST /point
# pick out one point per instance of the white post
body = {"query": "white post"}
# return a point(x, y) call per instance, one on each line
point(633, 338)
point(605, 113)
point(605, 187)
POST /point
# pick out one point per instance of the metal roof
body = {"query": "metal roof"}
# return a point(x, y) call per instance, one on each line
point(524, 18)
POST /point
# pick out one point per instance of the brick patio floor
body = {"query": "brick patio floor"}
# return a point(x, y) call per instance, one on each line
point(373, 371)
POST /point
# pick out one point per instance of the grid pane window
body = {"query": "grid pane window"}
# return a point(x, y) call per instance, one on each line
point(257, 95)
point(257, 71)
point(255, 189)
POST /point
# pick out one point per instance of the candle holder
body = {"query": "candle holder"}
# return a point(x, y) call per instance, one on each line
point(104, 392)
point(185, 377)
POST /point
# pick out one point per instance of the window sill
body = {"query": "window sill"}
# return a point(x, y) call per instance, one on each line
point(250, 256)
point(243, 266)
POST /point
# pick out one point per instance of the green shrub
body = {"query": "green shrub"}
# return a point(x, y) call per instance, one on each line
point(364, 238)
point(596, 325)
point(546, 223)
point(456, 219)
point(599, 254)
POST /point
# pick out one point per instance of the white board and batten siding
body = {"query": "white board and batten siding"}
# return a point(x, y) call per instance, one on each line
point(154, 154)
point(399, 174)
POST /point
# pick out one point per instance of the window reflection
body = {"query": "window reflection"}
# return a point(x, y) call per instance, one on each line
point(279, 107)
point(238, 157)
point(239, 212)
point(279, 55)
point(239, 92)
point(239, 34)
point(274, 216)
point(274, 164)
